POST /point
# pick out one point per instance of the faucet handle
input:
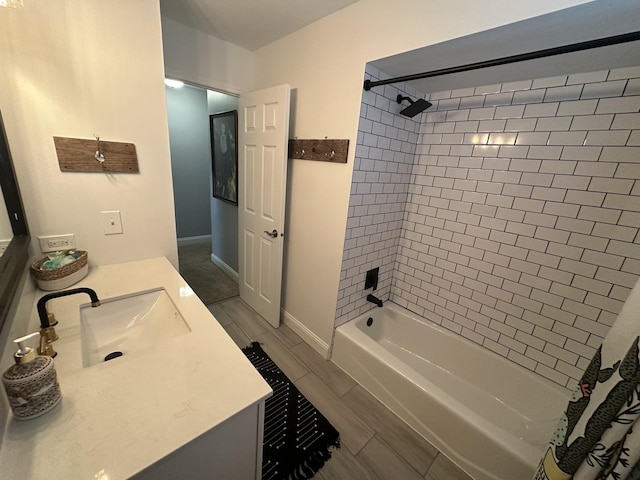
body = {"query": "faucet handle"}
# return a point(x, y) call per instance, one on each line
point(52, 319)
point(46, 346)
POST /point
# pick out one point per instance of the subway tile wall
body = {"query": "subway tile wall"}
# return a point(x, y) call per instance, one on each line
point(382, 172)
point(520, 228)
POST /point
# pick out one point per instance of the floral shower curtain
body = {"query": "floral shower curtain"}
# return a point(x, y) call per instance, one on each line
point(598, 437)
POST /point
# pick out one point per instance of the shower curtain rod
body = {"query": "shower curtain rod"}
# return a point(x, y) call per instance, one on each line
point(547, 52)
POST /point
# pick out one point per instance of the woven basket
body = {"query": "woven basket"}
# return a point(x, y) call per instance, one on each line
point(63, 277)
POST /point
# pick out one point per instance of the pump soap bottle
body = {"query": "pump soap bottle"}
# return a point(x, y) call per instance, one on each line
point(31, 384)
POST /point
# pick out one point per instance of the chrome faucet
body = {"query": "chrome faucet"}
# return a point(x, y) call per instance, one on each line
point(48, 334)
point(373, 299)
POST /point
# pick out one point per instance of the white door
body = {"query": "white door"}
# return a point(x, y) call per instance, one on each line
point(263, 132)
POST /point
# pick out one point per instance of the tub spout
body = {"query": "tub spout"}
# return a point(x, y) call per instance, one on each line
point(373, 299)
point(47, 332)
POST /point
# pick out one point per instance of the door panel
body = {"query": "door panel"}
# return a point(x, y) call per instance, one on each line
point(263, 138)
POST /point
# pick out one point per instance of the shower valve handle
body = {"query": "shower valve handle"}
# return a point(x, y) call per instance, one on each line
point(273, 234)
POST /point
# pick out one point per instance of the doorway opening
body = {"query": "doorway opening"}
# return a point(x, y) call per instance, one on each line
point(207, 227)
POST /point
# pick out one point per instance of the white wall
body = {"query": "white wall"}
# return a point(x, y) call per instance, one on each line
point(204, 60)
point(324, 63)
point(73, 68)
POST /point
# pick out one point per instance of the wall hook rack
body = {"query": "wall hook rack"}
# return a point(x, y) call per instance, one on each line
point(327, 150)
point(97, 155)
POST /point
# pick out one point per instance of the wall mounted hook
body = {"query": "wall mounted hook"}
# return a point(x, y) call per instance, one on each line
point(99, 156)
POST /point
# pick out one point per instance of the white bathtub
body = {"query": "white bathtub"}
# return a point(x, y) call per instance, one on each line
point(488, 415)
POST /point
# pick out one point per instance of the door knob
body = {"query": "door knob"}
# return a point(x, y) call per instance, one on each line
point(273, 234)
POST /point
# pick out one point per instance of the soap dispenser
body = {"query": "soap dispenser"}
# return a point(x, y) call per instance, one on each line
point(31, 384)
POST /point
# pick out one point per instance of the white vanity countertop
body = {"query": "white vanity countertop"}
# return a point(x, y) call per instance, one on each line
point(119, 417)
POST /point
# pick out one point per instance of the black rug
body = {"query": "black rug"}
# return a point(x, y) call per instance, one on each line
point(297, 437)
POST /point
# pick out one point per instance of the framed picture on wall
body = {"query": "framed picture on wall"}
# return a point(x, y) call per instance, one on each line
point(224, 155)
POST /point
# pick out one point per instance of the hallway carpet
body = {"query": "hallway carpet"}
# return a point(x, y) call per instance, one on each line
point(209, 282)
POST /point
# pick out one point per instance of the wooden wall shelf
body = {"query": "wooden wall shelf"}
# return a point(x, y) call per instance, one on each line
point(327, 150)
point(79, 155)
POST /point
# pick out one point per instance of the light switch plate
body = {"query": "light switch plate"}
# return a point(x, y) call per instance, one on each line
point(111, 222)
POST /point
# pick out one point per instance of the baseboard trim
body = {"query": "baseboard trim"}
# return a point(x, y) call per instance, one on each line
point(194, 240)
point(307, 335)
point(226, 268)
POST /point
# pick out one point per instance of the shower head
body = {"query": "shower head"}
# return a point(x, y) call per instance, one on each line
point(415, 108)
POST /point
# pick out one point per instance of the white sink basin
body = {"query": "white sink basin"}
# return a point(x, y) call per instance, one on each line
point(131, 323)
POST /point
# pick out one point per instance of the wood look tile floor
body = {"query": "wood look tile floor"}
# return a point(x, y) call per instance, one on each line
point(375, 443)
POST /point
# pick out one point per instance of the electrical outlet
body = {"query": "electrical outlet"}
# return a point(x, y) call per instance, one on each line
point(54, 243)
point(111, 222)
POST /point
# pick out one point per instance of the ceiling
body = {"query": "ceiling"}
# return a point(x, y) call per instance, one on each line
point(598, 19)
point(251, 24)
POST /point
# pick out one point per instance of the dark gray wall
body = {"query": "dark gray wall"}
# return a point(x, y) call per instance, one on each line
point(224, 216)
point(190, 159)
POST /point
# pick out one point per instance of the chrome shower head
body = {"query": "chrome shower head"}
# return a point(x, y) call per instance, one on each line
point(415, 108)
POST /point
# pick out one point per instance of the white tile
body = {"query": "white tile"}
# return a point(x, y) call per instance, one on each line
point(596, 169)
point(462, 127)
point(511, 151)
point(532, 138)
point(458, 115)
point(558, 166)
point(541, 110)
point(628, 170)
point(540, 219)
point(488, 89)
point(574, 225)
point(448, 104)
point(523, 165)
point(578, 107)
point(567, 138)
point(551, 194)
point(527, 204)
point(558, 208)
point(589, 77)
point(462, 92)
point(592, 122)
point(513, 86)
point(512, 190)
point(545, 152)
point(626, 202)
point(603, 89)
point(513, 111)
point(549, 82)
point(472, 102)
point(611, 185)
point(593, 199)
point(537, 179)
point(604, 215)
point(604, 137)
point(570, 181)
point(492, 125)
point(587, 242)
point(620, 154)
point(553, 124)
point(625, 72)
point(501, 138)
point(633, 87)
point(581, 153)
point(552, 235)
point(521, 125)
point(619, 105)
point(476, 138)
point(626, 121)
point(557, 94)
point(498, 99)
point(481, 113)
point(440, 95)
point(528, 96)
